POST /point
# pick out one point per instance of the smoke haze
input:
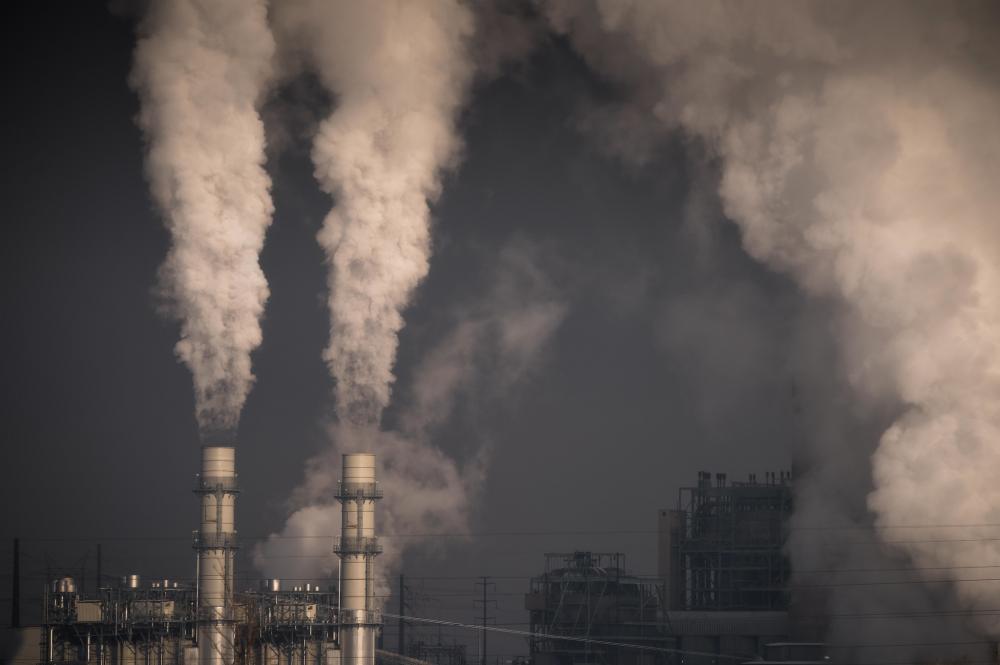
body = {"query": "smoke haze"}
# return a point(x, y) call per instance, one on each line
point(858, 147)
point(200, 69)
point(491, 348)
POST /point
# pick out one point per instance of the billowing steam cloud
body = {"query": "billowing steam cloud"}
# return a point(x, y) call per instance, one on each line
point(399, 72)
point(491, 348)
point(200, 69)
point(859, 151)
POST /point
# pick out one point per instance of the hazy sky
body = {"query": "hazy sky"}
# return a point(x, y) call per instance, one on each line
point(674, 355)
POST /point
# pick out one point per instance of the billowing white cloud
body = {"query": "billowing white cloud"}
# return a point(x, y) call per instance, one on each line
point(201, 68)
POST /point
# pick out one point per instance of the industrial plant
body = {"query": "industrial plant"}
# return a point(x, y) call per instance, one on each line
point(722, 590)
point(721, 587)
point(211, 623)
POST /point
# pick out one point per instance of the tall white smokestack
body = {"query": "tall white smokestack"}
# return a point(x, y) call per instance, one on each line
point(215, 542)
point(360, 617)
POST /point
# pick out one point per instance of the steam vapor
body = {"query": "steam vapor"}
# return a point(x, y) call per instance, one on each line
point(399, 72)
point(490, 350)
point(859, 150)
point(201, 67)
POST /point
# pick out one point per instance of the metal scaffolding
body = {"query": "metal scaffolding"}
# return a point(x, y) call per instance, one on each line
point(125, 624)
point(727, 548)
point(590, 595)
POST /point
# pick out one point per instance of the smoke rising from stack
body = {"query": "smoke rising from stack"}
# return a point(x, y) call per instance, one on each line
point(201, 67)
point(858, 147)
point(399, 73)
point(491, 348)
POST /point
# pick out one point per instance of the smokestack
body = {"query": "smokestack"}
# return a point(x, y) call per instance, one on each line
point(215, 542)
point(359, 617)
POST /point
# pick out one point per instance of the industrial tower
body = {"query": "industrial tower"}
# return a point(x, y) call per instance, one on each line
point(360, 618)
point(216, 545)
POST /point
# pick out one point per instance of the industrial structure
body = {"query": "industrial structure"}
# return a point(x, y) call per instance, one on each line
point(360, 619)
point(723, 547)
point(215, 543)
point(586, 600)
point(721, 585)
point(167, 623)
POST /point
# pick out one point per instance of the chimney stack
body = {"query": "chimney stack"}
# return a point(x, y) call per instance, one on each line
point(215, 543)
point(360, 618)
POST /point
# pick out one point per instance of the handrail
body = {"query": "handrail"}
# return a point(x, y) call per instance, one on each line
point(357, 545)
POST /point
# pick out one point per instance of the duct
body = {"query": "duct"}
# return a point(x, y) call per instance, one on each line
point(359, 617)
point(215, 542)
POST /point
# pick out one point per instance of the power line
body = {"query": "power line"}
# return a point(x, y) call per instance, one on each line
point(530, 533)
point(525, 633)
point(568, 638)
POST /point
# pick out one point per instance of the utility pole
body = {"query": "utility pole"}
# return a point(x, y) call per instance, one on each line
point(15, 587)
point(486, 584)
point(402, 613)
point(99, 568)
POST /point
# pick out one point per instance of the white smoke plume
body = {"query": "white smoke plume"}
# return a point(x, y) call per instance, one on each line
point(501, 335)
point(491, 348)
point(201, 68)
point(859, 150)
point(399, 72)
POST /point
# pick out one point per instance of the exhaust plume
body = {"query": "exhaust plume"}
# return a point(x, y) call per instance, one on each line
point(399, 72)
point(493, 344)
point(200, 69)
point(858, 146)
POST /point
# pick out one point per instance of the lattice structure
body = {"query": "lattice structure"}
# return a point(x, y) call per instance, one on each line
point(728, 550)
point(590, 596)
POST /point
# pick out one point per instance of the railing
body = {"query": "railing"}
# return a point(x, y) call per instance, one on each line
point(360, 545)
point(215, 540)
point(360, 617)
point(216, 483)
point(349, 490)
point(215, 614)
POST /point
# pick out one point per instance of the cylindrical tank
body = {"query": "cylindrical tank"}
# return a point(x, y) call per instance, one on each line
point(357, 549)
point(216, 544)
point(273, 585)
point(131, 581)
